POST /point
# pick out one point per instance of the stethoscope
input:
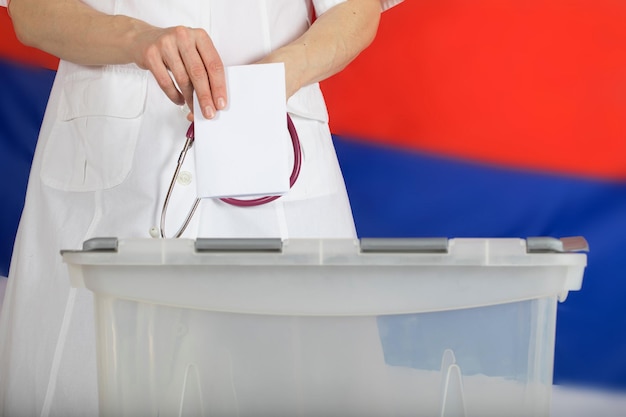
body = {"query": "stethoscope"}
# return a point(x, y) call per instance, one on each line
point(297, 163)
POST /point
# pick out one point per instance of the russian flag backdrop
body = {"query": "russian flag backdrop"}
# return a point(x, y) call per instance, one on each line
point(465, 118)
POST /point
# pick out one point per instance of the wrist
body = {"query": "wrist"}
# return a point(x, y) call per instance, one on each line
point(294, 59)
point(134, 35)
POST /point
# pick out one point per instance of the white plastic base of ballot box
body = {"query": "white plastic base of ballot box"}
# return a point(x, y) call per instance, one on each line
point(317, 328)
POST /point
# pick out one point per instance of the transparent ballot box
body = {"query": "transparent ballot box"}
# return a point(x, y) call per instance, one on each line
point(337, 328)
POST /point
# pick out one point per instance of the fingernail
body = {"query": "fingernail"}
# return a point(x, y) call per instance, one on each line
point(209, 113)
point(221, 103)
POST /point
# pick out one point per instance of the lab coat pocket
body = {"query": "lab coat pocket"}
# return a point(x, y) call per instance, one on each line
point(308, 103)
point(319, 173)
point(93, 138)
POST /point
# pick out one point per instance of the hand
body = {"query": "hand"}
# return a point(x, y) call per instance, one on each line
point(194, 63)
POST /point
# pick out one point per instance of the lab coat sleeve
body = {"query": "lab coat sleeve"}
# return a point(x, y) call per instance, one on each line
point(388, 4)
point(4, 3)
point(322, 6)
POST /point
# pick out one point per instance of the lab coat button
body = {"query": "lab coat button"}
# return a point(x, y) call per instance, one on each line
point(154, 232)
point(184, 178)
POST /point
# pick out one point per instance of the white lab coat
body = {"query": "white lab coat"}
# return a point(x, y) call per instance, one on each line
point(107, 149)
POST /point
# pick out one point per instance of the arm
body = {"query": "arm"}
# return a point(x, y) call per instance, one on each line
point(330, 44)
point(76, 32)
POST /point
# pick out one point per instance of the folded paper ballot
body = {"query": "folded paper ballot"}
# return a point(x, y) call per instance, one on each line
point(244, 150)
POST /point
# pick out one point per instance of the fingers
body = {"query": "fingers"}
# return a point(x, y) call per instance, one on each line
point(190, 73)
point(205, 71)
point(215, 70)
point(155, 63)
point(184, 60)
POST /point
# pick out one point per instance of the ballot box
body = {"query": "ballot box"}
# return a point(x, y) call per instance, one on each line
point(330, 327)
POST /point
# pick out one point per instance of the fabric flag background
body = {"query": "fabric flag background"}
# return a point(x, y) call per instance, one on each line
point(465, 118)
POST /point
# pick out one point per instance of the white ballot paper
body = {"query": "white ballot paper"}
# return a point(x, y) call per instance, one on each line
point(244, 150)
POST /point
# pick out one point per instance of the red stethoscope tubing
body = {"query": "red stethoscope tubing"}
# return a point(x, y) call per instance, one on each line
point(295, 172)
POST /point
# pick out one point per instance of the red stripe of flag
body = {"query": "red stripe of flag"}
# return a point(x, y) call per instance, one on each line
point(534, 84)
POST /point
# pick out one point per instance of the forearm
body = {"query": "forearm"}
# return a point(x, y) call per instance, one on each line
point(182, 59)
point(75, 32)
point(331, 43)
